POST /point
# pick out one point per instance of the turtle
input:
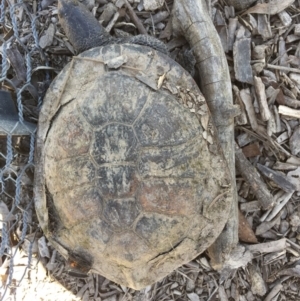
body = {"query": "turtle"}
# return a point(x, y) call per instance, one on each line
point(130, 181)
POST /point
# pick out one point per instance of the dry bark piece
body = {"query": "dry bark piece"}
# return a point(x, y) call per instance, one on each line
point(246, 233)
point(280, 179)
point(242, 58)
point(251, 175)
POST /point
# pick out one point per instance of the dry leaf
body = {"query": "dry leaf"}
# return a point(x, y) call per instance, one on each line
point(272, 8)
point(246, 233)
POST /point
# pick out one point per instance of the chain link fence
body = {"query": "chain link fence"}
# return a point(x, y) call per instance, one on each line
point(20, 98)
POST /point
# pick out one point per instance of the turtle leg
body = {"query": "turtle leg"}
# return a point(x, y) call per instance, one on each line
point(81, 27)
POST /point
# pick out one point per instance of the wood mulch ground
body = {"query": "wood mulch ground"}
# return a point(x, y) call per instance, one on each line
point(263, 52)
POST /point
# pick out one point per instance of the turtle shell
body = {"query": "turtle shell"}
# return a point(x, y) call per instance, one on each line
point(130, 179)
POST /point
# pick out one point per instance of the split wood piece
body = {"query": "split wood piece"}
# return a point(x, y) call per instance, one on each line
point(288, 112)
point(246, 233)
point(262, 99)
point(247, 100)
point(242, 58)
point(251, 175)
point(279, 178)
point(192, 20)
point(135, 19)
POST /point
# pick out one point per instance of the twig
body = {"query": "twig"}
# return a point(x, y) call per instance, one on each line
point(283, 68)
point(135, 19)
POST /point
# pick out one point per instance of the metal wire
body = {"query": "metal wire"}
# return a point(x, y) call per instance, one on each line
point(11, 171)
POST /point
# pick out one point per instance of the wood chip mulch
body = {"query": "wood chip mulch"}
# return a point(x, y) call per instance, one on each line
point(262, 45)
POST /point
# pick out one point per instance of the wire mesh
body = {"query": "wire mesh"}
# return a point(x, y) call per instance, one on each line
point(18, 46)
